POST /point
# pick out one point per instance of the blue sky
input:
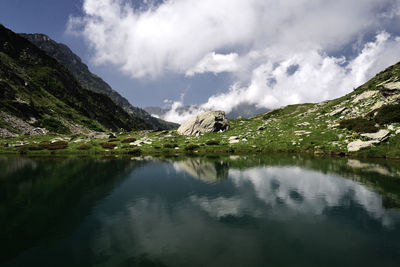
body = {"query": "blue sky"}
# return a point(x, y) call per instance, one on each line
point(219, 54)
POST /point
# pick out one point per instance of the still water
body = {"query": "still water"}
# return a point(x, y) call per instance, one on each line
point(272, 210)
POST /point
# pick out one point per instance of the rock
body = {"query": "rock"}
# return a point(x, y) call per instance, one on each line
point(58, 139)
point(97, 135)
point(210, 121)
point(390, 89)
point(303, 124)
point(382, 135)
point(365, 95)
point(337, 111)
point(377, 105)
point(299, 133)
point(4, 133)
point(234, 139)
point(111, 135)
point(358, 144)
point(261, 128)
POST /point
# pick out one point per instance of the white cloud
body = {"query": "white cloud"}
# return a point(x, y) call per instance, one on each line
point(318, 77)
point(177, 34)
point(215, 63)
point(256, 40)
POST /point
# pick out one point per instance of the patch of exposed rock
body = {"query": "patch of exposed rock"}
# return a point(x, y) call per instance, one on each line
point(210, 121)
point(20, 126)
point(390, 89)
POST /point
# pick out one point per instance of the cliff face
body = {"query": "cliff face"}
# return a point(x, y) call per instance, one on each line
point(39, 95)
point(90, 81)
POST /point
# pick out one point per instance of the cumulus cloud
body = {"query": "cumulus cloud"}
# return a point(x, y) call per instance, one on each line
point(215, 63)
point(256, 40)
point(315, 77)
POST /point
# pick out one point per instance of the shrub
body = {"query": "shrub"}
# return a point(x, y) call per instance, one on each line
point(388, 114)
point(170, 145)
point(212, 143)
point(359, 125)
point(108, 145)
point(54, 125)
point(272, 113)
point(135, 152)
point(34, 147)
point(129, 140)
point(57, 145)
point(84, 147)
point(191, 147)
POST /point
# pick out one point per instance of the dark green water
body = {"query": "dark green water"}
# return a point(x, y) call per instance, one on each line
point(276, 210)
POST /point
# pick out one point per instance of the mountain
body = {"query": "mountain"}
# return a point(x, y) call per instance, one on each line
point(38, 94)
point(90, 81)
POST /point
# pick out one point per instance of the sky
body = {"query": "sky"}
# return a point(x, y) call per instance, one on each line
point(218, 54)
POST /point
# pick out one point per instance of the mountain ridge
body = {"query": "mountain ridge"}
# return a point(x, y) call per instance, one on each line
point(63, 54)
point(40, 95)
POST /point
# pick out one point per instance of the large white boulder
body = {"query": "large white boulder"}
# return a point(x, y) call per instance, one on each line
point(210, 121)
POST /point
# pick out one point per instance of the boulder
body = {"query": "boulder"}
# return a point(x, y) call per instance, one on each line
point(365, 95)
point(382, 135)
point(97, 135)
point(358, 144)
point(337, 111)
point(210, 121)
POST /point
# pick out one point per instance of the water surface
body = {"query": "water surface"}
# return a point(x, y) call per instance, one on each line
point(271, 210)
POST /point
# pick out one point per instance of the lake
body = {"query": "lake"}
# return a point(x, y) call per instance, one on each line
point(249, 210)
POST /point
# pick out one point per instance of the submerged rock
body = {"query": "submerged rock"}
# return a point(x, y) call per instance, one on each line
point(210, 121)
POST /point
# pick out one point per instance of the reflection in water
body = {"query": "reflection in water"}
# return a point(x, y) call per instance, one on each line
point(247, 211)
point(206, 171)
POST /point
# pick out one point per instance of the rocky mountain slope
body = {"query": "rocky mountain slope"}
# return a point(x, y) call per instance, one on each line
point(39, 95)
point(90, 81)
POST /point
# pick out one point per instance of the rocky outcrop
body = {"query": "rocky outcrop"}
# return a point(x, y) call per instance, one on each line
point(358, 145)
point(375, 138)
point(382, 135)
point(390, 89)
point(210, 121)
